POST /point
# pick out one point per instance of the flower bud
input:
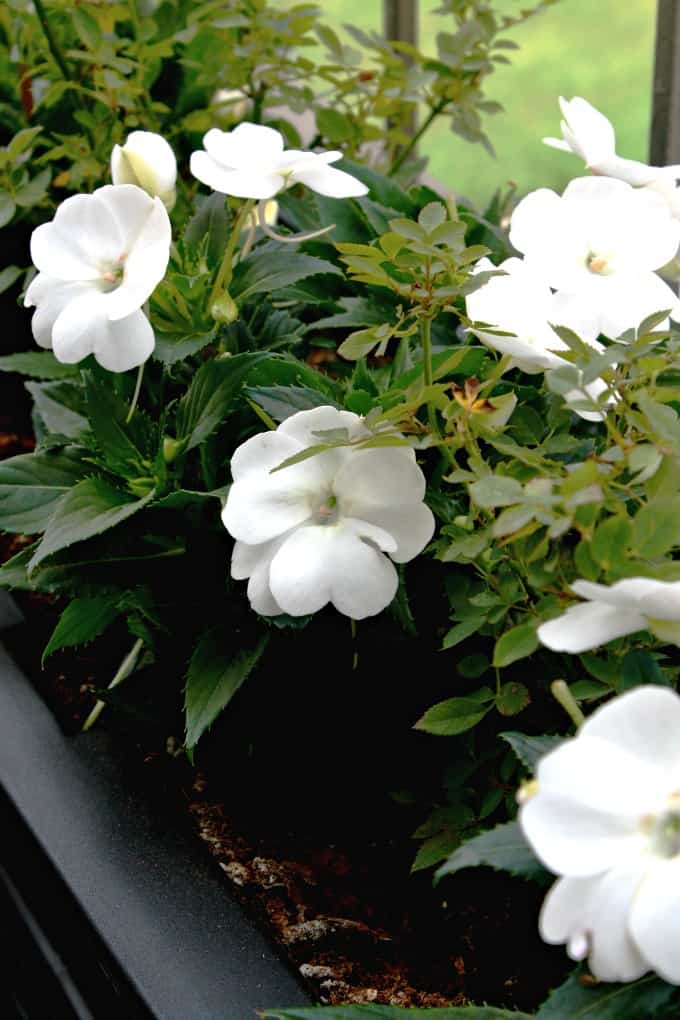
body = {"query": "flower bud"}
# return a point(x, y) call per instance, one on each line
point(224, 309)
point(171, 447)
point(146, 160)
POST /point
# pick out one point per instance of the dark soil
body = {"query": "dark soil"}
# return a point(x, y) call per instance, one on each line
point(302, 825)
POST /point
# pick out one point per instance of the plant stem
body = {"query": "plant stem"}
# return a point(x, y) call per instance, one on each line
point(562, 694)
point(51, 41)
point(223, 278)
point(135, 395)
point(408, 149)
point(126, 667)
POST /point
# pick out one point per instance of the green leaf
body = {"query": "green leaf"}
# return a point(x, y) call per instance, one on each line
point(656, 528)
point(269, 268)
point(173, 347)
point(212, 221)
point(50, 402)
point(82, 621)
point(640, 667)
point(359, 344)
point(7, 208)
point(8, 277)
point(381, 189)
point(663, 420)
point(512, 698)
point(528, 749)
point(432, 216)
point(31, 484)
point(212, 394)
point(89, 508)
point(515, 644)
point(455, 715)
point(87, 28)
point(215, 675)
point(333, 125)
point(357, 311)
point(575, 1000)
point(462, 630)
point(124, 445)
point(39, 364)
point(503, 848)
point(378, 1012)
point(279, 402)
point(496, 490)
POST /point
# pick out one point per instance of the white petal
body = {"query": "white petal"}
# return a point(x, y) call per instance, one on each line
point(329, 563)
point(589, 625)
point(645, 594)
point(51, 298)
point(599, 907)
point(78, 327)
point(147, 160)
point(592, 130)
point(240, 183)
point(125, 343)
point(326, 180)
point(259, 593)
point(644, 722)
point(246, 147)
point(558, 143)
point(625, 302)
point(411, 525)
point(535, 220)
point(381, 476)
point(259, 454)
point(68, 248)
point(655, 919)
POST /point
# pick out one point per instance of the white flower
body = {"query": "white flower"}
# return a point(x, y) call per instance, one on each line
point(317, 532)
point(146, 160)
point(521, 303)
point(598, 246)
point(606, 817)
point(235, 103)
point(250, 162)
point(99, 260)
point(588, 134)
point(637, 603)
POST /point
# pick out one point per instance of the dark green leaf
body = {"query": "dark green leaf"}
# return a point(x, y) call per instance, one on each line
point(576, 1000)
point(211, 219)
point(377, 1012)
point(124, 445)
point(212, 394)
point(455, 715)
point(271, 267)
point(30, 485)
point(528, 749)
point(215, 675)
point(640, 667)
point(89, 508)
point(52, 404)
point(279, 402)
point(503, 848)
point(82, 621)
point(38, 364)
point(173, 347)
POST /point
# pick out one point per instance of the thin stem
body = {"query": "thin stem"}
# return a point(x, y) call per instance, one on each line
point(408, 149)
point(562, 694)
point(135, 395)
point(223, 278)
point(126, 667)
point(287, 238)
point(51, 41)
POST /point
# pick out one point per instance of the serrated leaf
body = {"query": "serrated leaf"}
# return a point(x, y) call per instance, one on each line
point(281, 401)
point(38, 364)
point(211, 220)
point(89, 508)
point(503, 848)
point(575, 1000)
point(82, 621)
point(173, 347)
point(452, 716)
point(372, 1011)
point(516, 643)
point(31, 484)
point(215, 674)
point(529, 749)
point(212, 394)
point(269, 268)
point(59, 419)
point(432, 216)
point(123, 444)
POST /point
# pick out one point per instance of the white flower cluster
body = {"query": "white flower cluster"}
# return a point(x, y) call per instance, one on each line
point(590, 256)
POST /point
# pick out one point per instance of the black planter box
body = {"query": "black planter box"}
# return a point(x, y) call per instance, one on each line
point(105, 911)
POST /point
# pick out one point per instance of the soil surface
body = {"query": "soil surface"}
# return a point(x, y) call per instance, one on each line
point(328, 882)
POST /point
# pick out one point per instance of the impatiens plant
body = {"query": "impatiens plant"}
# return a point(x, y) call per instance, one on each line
point(441, 422)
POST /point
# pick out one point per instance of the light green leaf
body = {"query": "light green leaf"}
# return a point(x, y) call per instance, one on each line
point(575, 1000)
point(82, 621)
point(432, 216)
point(31, 484)
point(452, 716)
point(38, 364)
point(663, 420)
point(503, 848)
point(215, 675)
point(516, 643)
point(7, 208)
point(89, 508)
point(611, 541)
point(496, 490)
point(656, 528)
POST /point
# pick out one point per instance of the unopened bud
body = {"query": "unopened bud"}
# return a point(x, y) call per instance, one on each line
point(171, 447)
point(224, 309)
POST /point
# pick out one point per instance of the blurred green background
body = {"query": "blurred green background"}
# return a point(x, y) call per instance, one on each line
point(599, 49)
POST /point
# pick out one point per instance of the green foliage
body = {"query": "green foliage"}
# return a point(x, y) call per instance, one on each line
point(82, 621)
point(376, 1012)
point(503, 848)
point(581, 999)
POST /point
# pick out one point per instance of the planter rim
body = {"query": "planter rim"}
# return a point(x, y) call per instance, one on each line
point(156, 900)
